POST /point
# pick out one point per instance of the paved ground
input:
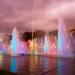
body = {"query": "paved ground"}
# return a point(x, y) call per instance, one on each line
point(37, 65)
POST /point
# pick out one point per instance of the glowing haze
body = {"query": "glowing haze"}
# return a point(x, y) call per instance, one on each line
point(39, 14)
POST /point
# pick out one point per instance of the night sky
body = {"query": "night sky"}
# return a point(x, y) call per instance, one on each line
point(39, 14)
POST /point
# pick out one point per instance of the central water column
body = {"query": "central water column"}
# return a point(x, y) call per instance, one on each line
point(63, 39)
point(15, 43)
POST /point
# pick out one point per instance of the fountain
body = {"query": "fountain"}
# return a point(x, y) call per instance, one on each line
point(63, 40)
point(15, 42)
point(46, 44)
point(2, 45)
point(23, 49)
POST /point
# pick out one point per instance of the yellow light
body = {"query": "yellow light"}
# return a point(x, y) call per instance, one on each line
point(1, 58)
point(31, 43)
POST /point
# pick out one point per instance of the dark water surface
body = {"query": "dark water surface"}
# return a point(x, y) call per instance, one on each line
point(37, 65)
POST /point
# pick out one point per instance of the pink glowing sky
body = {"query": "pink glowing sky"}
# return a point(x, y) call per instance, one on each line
point(41, 14)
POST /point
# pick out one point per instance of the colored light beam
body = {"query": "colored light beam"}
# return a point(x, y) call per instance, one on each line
point(15, 42)
point(63, 39)
point(23, 49)
point(46, 45)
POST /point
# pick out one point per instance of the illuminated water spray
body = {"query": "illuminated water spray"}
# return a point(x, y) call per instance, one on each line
point(2, 45)
point(23, 49)
point(63, 39)
point(46, 44)
point(15, 42)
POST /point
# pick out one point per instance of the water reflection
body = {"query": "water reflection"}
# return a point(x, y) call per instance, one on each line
point(65, 67)
point(37, 65)
point(45, 62)
point(33, 65)
point(59, 64)
point(13, 64)
point(1, 60)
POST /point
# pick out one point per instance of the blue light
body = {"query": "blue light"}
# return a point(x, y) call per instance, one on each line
point(13, 66)
point(14, 42)
point(60, 40)
point(59, 64)
point(46, 44)
point(63, 41)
